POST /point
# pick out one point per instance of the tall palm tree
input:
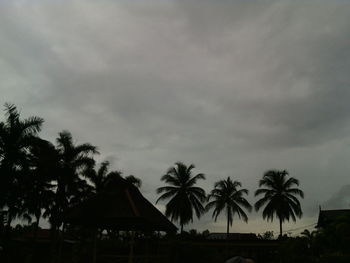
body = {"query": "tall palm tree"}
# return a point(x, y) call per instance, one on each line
point(16, 136)
point(74, 160)
point(227, 197)
point(44, 165)
point(279, 197)
point(184, 196)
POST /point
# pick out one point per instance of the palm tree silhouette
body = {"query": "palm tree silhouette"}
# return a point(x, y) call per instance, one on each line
point(44, 165)
point(184, 196)
point(226, 197)
point(74, 161)
point(308, 236)
point(134, 180)
point(279, 197)
point(100, 177)
point(16, 136)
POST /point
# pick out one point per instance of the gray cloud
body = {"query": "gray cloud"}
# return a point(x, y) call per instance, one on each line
point(340, 199)
point(234, 87)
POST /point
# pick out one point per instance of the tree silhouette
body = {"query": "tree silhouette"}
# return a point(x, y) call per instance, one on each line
point(16, 136)
point(226, 197)
point(134, 180)
point(279, 197)
point(39, 196)
point(100, 177)
point(184, 196)
point(309, 237)
point(71, 186)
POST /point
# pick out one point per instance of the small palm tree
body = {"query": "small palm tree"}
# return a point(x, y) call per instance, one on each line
point(184, 196)
point(279, 197)
point(98, 177)
point(134, 180)
point(308, 236)
point(227, 197)
point(16, 137)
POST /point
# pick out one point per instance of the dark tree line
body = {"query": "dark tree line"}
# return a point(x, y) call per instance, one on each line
point(280, 197)
point(40, 179)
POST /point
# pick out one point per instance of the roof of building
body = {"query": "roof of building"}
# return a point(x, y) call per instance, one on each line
point(327, 217)
point(121, 206)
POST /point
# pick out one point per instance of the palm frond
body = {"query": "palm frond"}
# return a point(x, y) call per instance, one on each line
point(85, 149)
point(32, 125)
point(195, 178)
point(166, 189)
point(295, 191)
point(166, 195)
point(260, 203)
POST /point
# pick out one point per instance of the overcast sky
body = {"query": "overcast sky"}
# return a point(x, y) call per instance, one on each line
point(235, 87)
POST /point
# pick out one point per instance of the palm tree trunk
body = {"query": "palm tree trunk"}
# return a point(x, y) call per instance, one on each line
point(7, 239)
point(53, 242)
point(8, 228)
point(228, 227)
point(228, 234)
point(9, 220)
point(36, 228)
point(280, 227)
point(182, 228)
point(31, 256)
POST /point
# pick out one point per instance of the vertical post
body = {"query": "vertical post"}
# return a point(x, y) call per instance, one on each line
point(53, 243)
point(157, 243)
point(60, 242)
point(147, 240)
point(131, 251)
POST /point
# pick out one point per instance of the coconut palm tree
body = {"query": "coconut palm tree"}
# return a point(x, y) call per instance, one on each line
point(227, 197)
point(308, 236)
point(16, 137)
point(279, 197)
point(74, 160)
point(99, 177)
point(184, 196)
point(44, 165)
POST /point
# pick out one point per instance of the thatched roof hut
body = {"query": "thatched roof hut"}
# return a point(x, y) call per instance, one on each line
point(120, 206)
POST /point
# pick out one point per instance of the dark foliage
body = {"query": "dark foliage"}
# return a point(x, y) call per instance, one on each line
point(228, 198)
point(185, 197)
point(279, 197)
